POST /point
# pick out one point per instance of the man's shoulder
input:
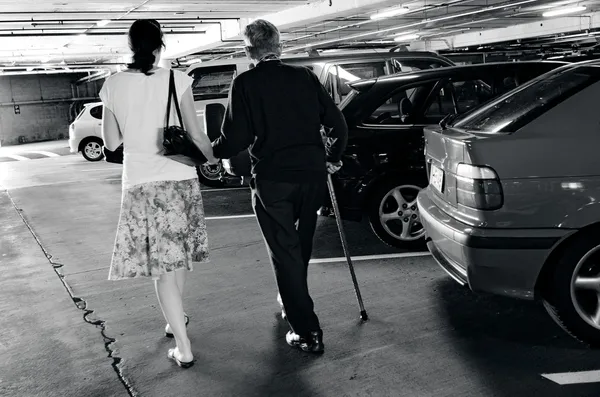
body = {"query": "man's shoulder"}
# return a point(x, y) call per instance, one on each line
point(300, 69)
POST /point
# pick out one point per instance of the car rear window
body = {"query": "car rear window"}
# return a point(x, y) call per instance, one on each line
point(513, 110)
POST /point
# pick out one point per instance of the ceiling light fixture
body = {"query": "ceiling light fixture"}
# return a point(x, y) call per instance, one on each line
point(406, 37)
point(103, 23)
point(390, 13)
point(414, 24)
point(564, 11)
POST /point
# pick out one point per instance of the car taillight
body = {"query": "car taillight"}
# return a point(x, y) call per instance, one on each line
point(478, 187)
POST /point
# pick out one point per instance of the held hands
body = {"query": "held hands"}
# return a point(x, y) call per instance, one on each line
point(212, 160)
point(332, 168)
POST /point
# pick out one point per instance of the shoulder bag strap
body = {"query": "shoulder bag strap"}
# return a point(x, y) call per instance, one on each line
point(173, 92)
point(171, 85)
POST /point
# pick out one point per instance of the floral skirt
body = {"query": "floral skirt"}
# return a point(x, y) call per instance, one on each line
point(161, 229)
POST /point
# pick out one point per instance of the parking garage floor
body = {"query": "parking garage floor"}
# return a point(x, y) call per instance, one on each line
point(67, 331)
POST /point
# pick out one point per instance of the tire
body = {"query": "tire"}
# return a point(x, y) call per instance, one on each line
point(91, 149)
point(570, 306)
point(211, 175)
point(401, 231)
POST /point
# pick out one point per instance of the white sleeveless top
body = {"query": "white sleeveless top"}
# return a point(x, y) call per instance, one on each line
point(139, 103)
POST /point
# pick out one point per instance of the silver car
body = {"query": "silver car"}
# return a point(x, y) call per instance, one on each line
point(513, 202)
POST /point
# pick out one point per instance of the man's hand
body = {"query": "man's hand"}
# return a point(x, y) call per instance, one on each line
point(332, 168)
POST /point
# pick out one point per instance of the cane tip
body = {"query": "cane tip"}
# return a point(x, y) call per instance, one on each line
point(363, 316)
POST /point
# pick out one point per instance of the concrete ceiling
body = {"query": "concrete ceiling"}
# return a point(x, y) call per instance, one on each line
point(46, 34)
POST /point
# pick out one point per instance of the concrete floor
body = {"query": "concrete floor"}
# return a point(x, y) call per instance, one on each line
point(32, 151)
point(426, 335)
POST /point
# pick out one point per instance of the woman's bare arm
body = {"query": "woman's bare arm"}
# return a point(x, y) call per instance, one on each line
point(192, 126)
point(111, 133)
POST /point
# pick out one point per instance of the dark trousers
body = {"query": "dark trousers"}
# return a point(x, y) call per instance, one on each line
point(287, 215)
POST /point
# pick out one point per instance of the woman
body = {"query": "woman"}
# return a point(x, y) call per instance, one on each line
point(161, 228)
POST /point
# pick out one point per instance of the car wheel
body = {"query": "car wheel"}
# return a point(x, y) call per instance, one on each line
point(211, 175)
point(394, 215)
point(91, 149)
point(572, 294)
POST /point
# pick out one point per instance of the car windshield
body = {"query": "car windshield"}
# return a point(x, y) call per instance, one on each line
point(513, 110)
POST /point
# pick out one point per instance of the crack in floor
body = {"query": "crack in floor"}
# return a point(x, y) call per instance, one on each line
point(81, 304)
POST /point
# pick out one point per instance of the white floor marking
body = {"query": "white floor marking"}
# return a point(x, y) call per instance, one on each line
point(48, 154)
point(224, 189)
point(218, 218)
point(16, 157)
point(101, 169)
point(371, 257)
point(570, 378)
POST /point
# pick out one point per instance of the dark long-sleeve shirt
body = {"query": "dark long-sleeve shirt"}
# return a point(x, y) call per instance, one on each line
point(277, 111)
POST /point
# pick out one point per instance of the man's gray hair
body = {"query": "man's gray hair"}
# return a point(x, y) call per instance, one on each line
point(264, 39)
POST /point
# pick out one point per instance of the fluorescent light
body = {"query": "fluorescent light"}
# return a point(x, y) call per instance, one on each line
point(564, 11)
point(390, 13)
point(414, 24)
point(103, 22)
point(406, 37)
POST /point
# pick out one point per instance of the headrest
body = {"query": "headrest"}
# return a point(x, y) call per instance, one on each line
point(405, 106)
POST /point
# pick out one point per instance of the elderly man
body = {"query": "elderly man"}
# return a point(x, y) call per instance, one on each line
point(277, 110)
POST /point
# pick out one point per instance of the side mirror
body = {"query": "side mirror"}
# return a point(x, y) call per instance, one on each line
point(447, 120)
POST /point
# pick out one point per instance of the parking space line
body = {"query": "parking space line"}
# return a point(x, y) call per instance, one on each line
point(218, 218)
point(225, 189)
point(16, 157)
point(100, 169)
point(48, 154)
point(571, 378)
point(371, 257)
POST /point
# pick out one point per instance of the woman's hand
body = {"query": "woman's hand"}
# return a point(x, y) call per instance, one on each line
point(212, 160)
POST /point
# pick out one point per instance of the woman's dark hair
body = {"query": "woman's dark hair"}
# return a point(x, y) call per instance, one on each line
point(145, 37)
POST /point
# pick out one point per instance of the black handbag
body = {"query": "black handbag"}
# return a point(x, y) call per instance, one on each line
point(177, 143)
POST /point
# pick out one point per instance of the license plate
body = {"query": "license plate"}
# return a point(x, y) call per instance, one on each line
point(436, 178)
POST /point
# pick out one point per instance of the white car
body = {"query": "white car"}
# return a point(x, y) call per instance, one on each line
point(85, 133)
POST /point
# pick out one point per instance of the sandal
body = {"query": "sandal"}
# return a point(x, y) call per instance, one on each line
point(170, 334)
point(182, 364)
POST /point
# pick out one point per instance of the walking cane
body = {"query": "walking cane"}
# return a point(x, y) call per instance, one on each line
point(338, 219)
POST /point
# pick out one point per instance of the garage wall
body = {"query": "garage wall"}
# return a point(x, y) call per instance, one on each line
point(44, 106)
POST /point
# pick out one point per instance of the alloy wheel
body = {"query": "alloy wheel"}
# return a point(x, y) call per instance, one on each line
point(399, 213)
point(93, 150)
point(211, 171)
point(585, 287)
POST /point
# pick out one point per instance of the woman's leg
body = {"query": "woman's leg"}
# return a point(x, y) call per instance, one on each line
point(180, 276)
point(169, 297)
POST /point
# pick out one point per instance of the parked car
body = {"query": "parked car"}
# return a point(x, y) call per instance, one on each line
point(512, 203)
point(85, 133)
point(384, 167)
point(212, 81)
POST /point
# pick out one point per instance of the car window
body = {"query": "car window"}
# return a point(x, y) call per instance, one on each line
point(519, 107)
point(399, 107)
point(96, 112)
point(212, 82)
point(400, 65)
point(458, 97)
point(340, 75)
